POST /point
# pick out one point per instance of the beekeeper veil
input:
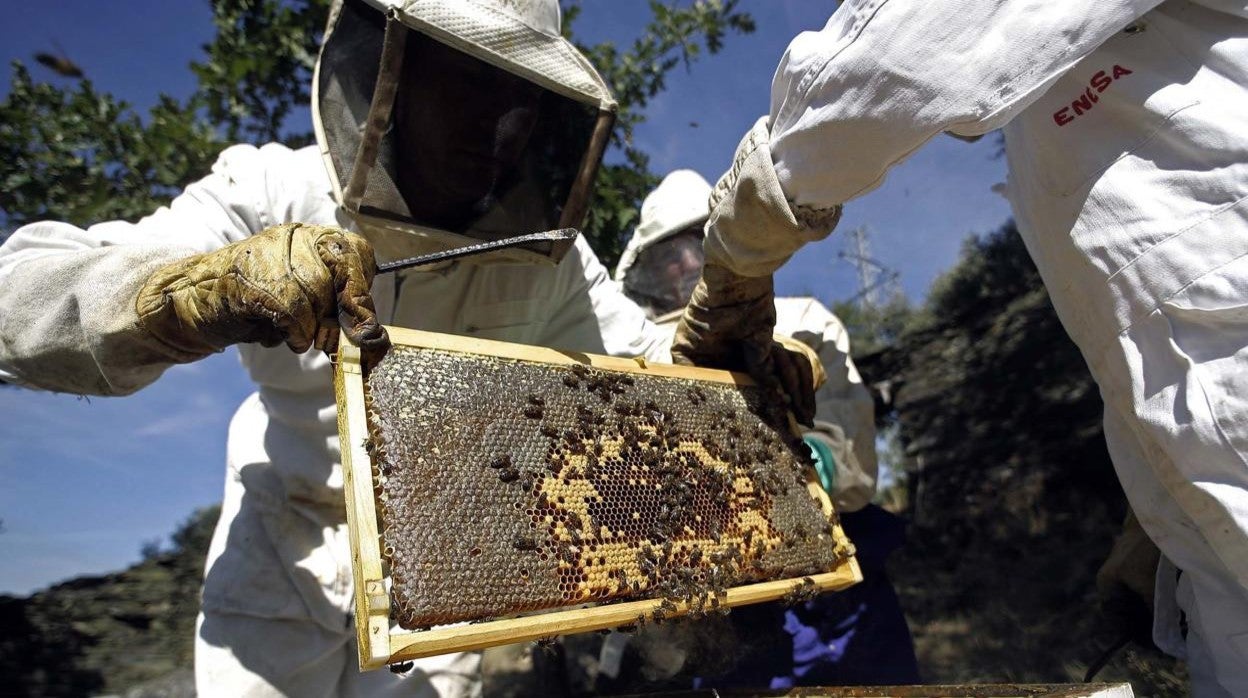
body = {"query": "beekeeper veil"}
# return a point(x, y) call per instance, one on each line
point(446, 122)
point(663, 259)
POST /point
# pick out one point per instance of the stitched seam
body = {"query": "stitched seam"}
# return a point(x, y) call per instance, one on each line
point(814, 75)
point(1223, 209)
point(1164, 301)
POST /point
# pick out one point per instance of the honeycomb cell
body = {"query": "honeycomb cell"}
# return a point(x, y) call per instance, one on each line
point(508, 486)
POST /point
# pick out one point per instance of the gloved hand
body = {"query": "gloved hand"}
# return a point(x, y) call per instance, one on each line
point(291, 283)
point(819, 376)
point(1125, 582)
point(728, 324)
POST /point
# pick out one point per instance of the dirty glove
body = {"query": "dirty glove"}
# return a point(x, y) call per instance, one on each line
point(291, 283)
point(819, 376)
point(752, 230)
point(1125, 582)
point(728, 324)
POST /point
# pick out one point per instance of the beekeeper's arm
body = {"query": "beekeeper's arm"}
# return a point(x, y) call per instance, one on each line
point(848, 102)
point(105, 310)
point(844, 427)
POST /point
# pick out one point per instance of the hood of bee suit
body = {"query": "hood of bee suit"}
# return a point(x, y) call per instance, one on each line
point(359, 80)
point(659, 268)
point(681, 201)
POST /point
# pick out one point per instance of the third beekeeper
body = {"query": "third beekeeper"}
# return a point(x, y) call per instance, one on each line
point(858, 636)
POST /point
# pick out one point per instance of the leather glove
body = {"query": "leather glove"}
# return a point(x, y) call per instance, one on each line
point(728, 324)
point(291, 283)
point(1125, 582)
point(819, 376)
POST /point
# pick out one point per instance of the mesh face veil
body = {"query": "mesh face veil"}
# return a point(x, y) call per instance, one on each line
point(448, 122)
point(663, 275)
point(663, 259)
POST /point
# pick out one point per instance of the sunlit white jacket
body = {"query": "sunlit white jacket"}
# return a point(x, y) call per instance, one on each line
point(280, 550)
point(1125, 125)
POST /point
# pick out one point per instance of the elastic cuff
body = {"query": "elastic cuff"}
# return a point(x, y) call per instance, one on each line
point(753, 229)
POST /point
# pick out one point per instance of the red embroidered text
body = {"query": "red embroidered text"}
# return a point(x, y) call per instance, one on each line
point(1083, 104)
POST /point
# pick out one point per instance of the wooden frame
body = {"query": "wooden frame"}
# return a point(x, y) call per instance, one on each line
point(377, 644)
point(1073, 690)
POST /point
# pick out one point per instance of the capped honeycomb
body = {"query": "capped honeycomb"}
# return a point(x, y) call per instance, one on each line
point(507, 486)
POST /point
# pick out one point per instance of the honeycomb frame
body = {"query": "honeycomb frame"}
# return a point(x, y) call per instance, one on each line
point(382, 642)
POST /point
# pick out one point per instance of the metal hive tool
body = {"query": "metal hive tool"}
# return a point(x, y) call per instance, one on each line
point(511, 479)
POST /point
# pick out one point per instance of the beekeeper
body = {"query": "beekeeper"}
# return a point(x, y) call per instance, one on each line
point(438, 123)
point(869, 642)
point(1124, 127)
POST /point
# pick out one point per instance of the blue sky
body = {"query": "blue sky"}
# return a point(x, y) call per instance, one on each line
point(83, 484)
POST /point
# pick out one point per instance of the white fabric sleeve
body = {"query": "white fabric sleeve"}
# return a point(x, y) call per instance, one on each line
point(595, 305)
point(844, 408)
point(67, 316)
point(884, 76)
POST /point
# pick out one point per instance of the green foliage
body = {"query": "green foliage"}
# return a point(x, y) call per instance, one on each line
point(674, 36)
point(105, 634)
point(873, 328)
point(83, 156)
point(1009, 486)
point(258, 69)
point(997, 403)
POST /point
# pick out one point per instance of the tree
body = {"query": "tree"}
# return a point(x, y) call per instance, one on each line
point(258, 68)
point(996, 401)
point(873, 328)
point(82, 156)
point(674, 36)
point(1011, 492)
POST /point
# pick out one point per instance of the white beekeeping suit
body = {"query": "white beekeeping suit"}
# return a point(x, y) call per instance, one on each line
point(277, 595)
point(1124, 125)
point(658, 268)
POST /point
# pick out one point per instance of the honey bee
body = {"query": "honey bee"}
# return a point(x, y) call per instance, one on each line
point(59, 63)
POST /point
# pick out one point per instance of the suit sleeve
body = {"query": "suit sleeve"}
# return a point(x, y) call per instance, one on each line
point(844, 408)
point(881, 79)
point(67, 294)
point(885, 76)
